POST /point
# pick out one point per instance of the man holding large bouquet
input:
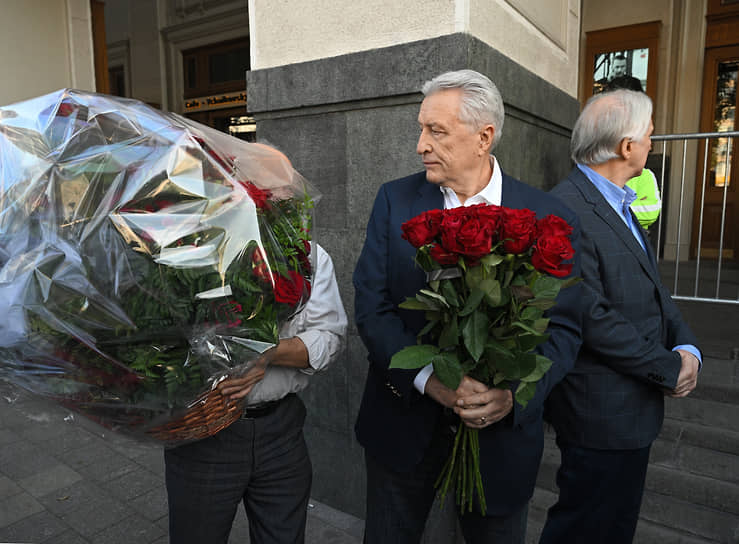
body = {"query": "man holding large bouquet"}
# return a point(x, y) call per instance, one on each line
point(405, 415)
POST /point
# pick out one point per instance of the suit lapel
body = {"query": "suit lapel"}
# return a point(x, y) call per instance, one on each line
point(429, 198)
point(604, 210)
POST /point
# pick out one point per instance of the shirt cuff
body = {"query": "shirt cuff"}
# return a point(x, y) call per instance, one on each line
point(422, 377)
point(691, 349)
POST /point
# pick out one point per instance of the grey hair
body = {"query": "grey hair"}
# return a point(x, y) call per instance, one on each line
point(606, 119)
point(481, 100)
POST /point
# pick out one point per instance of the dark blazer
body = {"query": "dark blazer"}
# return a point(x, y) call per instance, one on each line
point(613, 398)
point(396, 422)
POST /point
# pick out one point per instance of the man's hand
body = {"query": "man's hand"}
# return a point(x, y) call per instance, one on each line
point(449, 397)
point(688, 377)
point(483, 408)
point(238, 387)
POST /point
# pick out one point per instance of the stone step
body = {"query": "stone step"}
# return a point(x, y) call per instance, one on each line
point(647, 532)
point(698, 449)
point(702, 411)
point(713, 493)
point(693, 519)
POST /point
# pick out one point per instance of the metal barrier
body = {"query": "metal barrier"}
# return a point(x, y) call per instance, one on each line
point(685, 138)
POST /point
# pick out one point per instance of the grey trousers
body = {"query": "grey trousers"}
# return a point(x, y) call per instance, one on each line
point(261, 462)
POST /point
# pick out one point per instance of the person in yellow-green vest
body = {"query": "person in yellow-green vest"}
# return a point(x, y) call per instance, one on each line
point(648, 203)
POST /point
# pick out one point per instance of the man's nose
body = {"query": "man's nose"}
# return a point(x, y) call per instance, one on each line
point(422, 146)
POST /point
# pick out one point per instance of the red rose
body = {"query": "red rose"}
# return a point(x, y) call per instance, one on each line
point(518, 229)
point(549, 254)
point(466, 232)
point(442, 256)
point(228, 313)
point(422, 229)
point(259, 266)
point(490, 213)
point(290, 290)
point(552, 225)
point(259, 196)
point(303, 251)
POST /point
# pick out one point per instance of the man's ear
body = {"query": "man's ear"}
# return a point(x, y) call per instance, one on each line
point(487, 133)
point(624, 148)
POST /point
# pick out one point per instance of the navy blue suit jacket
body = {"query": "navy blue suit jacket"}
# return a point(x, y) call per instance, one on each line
point(614, 396)
point(396, 422)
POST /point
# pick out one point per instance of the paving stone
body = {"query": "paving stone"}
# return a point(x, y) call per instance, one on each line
point(8, 487)
point(67, 499)
point(134, 529)
point(18, 507)
point(73, 437)
point(151, 505)
point(105, 467)
point(22, 459)
point(92, 517)
point(70, 537)
point(8, 436)
point(152, 459)
point(138, 481)
point(36, 528)
point(49, 480)
point(90, 453)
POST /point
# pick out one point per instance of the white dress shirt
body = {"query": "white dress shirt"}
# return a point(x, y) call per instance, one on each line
point(490, 194)
point(321, 325)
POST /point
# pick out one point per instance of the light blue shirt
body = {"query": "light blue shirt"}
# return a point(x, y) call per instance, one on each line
point(620, 199)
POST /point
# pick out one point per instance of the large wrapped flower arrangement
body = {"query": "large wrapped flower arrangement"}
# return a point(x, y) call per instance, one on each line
point(143, 258)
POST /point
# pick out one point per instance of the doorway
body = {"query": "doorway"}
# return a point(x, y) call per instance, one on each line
point(720, 229)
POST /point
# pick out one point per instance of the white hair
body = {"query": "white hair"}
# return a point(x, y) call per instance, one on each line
point(606, 119)
point(481, 100)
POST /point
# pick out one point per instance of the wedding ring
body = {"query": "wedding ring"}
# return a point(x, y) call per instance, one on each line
point(482, 419)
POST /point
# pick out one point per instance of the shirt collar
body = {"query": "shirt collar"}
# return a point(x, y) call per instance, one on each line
point(619, 198)
point(490, 194)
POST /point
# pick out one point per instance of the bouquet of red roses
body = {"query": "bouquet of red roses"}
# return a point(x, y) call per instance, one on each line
point(492, 273)
point(143, 258)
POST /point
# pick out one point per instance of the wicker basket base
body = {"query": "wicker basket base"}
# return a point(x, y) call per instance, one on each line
point(206, 416)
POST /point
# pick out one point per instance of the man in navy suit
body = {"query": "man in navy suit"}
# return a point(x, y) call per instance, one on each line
point(405, 416)
point(636, 347)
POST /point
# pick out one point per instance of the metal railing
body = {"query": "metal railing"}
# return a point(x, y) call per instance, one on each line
point(685, 138)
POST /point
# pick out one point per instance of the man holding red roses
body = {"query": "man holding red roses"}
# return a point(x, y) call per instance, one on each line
point(405, 418)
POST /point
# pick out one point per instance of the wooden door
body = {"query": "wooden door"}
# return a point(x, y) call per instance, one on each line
point(718, 114)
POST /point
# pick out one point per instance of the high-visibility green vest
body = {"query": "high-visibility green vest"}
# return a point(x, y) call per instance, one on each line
point(648, 203)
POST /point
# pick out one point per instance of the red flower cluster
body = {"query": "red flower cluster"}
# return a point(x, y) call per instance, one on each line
point(259, 196)
point(474, 231)
point(290, 290)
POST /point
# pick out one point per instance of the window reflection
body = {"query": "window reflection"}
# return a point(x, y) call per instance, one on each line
point(723, 121)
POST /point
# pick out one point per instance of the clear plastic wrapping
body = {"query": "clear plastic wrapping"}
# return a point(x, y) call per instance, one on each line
point(143, 257)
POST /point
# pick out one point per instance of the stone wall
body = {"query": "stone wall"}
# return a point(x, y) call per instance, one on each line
point(348, 123)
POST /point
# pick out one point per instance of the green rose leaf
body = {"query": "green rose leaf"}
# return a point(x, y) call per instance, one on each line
point(449, 336)
point(542, 365)
point(541, 303)
point(524, 393)
point(475, 333)
point(531, 313)
point(447, 369)
point(435, 296)
point(473, 301)
point(526, 364)
point(546, 287)
point(450, 293)
point(525, 327)
point(540, 325)
point(527, 342)
point(430, 325)
point(491, 288)
point(415, 304)
point(473, 276)
point(412, 357)
point(492, 260)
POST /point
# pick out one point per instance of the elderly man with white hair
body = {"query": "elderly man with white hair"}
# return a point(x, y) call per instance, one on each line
point(405, 418)
point(636, 347)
